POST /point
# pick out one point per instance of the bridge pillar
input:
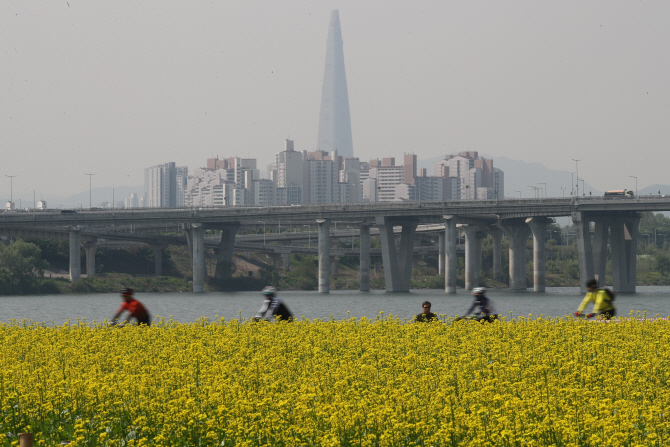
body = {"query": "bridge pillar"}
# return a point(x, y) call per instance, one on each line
point(584, 251)
point(624, 252)
point(90, 248)
point(158, 258)
point(451, 261)
point(365, 258)
point(333, 265)
point(441, 255)
point(497, 233)
point(275, 260)
point(198, 247)
point(538, 226)
point(517, 232)
point(323, 226)
point(397, 261)
point(600, 231)
point(378, 267)
point(285, 260)
point(189, 243)
point(75, 253)
point(224, 258)
point(471, 256)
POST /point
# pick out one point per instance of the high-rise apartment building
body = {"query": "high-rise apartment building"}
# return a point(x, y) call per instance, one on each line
point(132, 201)
point(477, 178)
point(334, 119)
point(160, 185)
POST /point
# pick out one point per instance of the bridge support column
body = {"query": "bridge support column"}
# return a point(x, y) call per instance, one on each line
point(538, 226)
point(90, 248)
point(365, 258)
point(584, 251)
point(158, 258)
point(333, 265)
point(397, 261)
point(285, 260)
point(471, 256)
point(224, 258)
point(441, 255)
point(451, 261)
point(497, 233)
point(624, 252)
point(189, 243)
point(517, 232)
point(378, 267)
point(600, 228)
point(198, 246)
point(275, 260)
point(75, 253)
point(323, 226)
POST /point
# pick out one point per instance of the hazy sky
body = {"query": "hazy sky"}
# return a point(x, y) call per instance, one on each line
point(113, 87)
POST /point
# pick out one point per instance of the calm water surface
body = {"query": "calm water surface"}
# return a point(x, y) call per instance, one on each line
point(188, 307)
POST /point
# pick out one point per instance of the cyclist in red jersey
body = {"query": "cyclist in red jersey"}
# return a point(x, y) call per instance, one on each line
point(134, 307)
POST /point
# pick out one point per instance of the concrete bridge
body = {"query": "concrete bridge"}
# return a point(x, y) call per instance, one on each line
point(92, 240)
point(614, 219)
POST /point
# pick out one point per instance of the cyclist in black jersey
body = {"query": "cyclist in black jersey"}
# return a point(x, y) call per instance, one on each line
point(273, 304)
point(486, 311)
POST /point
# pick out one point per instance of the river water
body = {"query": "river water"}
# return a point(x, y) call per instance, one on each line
point(188, 307)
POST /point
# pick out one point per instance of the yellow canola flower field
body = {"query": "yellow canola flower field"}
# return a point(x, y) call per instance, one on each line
point(357, 382)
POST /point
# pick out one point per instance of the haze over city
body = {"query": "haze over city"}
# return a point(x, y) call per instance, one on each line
point(111, 88)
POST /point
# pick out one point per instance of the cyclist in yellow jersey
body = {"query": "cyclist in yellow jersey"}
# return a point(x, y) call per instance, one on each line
point(602, 302)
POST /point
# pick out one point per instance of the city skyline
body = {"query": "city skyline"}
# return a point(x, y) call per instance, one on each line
point(113, 89)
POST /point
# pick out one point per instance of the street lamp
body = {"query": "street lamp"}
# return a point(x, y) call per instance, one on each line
point(309, 235)
point(34, 202)
point(90, 190)
point(583, 187)
point(534, 188)
point(635, 184)
point(11, 189)
point(563, 191)
point(260, 221)
point(518, 192)
point(577, 169)
point(545, 189)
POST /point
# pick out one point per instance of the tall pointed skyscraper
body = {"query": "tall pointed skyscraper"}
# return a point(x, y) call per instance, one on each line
point(335, 122)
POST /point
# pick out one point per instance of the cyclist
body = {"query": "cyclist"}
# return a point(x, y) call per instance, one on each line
point(134, 307)
point(602, 301)
point(273, 304)
point(486, 311)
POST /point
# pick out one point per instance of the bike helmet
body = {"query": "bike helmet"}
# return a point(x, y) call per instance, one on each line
point(127, 291)
point(269, 290)
point(478, 291)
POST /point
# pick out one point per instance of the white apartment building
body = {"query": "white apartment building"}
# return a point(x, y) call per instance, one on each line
point(263, 192)
point(351, 190)
point(181, 179)
point(322, 178)
point(471, 180)
point(431, 188)
point(160, 185)
point(369, 187)
point(387, 178)
point(132, 201)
